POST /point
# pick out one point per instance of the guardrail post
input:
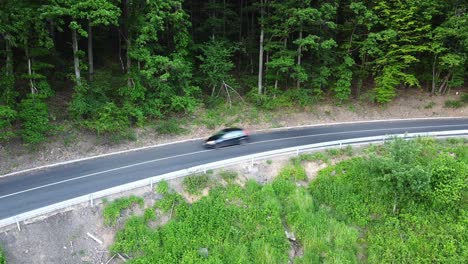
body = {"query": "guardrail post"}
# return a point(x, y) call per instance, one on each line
point(297, 151)
point(151, 184)
point(383, 139)
point(251, 163)
point(18, 224)
point(341, 145)
point(91, 200)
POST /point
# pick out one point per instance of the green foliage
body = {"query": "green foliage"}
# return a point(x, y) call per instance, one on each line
point(220, 223)
point(228, 175)
point(429, 184)
point(7, 117)
point(170, 127)
point(448, 182)
point(162, 187)
point(113, 209)
point(453, 104)
point(194, 184)
point(293, 172)
point(429, 105)
point(109, 119)
point(317, 156)
point(216, 63)
point(2, 257)
point(169, 201)
point(464, 98)
point(34, 117)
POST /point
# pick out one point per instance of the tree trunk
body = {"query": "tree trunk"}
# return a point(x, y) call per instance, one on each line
point(9, 56)
point(76, 60)
point(129, 60)
point(90, 52)
point(299, 57)
point(433, 90)
point(28, 58)
point(260, 55)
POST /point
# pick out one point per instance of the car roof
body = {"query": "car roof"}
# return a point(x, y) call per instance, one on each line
point(231, 129)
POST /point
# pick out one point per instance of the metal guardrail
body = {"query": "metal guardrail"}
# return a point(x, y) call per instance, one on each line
point(90, 198)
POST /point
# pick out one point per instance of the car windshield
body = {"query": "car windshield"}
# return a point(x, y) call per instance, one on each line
point(221, 134)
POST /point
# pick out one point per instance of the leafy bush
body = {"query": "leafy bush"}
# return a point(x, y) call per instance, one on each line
point(34, 117)
point(227, 231)
point(317, 156)
point(423, 180)
point(169, 127)
point(464, 98)
point(194, 184)
point(228, 175)
point(162, 187)
point(109, 119)
point(169, 201)
point(2, 257)
point(293, 172)
point(453, 104)
point(7, 117)
point(113, 209)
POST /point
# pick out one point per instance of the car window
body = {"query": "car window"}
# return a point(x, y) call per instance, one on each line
point(229, 135)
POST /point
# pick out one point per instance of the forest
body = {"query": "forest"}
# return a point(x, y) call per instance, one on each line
point(117, 64)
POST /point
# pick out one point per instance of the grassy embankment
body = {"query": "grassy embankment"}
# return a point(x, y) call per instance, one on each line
point(405, 202)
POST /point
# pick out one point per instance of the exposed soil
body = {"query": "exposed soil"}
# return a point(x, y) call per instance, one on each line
point(75, 144)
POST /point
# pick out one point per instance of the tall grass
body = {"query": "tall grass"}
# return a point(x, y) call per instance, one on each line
point(113, 209)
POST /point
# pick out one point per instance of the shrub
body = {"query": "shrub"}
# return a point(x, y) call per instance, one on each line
point(194, 184)
point(113, 209)
point(34, 116)
point(464, 98)
point(293, 172)
point(7, 117)
point(2, 257)
point(110, 119)
point(169, 127)
point(453, 104)
point(429, 105)
point(162, 187)
point(228, 175)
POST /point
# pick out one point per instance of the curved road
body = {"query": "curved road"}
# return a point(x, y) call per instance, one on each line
point(38, 188)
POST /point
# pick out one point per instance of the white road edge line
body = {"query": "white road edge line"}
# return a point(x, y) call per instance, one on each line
point(99, 172)
point(196, 152)
point(195, 139)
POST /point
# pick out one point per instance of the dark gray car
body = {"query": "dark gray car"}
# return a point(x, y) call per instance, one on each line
point(227, 137)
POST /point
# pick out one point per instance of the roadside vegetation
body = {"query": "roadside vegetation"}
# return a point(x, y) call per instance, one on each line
point(403, 202)
point(2, 257)
point(109, 67)
point(113, 209)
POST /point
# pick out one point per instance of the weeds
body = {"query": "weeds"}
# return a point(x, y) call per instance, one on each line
point(113, 209)
point(228, 175)
point(453, 104)
point(170, 127)
point(429, 105)
point(2, 257)
point(317, 156)
point(162, 187)
point(194, 184)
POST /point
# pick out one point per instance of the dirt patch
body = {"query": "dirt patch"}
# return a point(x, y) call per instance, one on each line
point(62, 237)
point(75, 144)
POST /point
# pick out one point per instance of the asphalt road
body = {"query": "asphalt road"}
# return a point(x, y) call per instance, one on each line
point(35, 189)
